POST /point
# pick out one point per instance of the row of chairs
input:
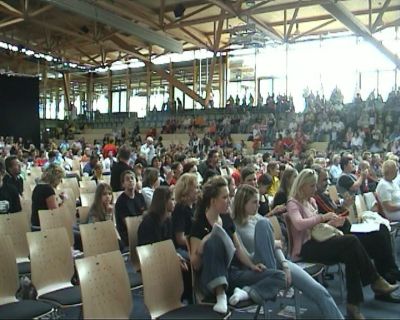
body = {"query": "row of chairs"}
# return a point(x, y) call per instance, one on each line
point(104, 279)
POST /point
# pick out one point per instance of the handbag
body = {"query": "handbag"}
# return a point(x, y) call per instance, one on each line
point(323, 231)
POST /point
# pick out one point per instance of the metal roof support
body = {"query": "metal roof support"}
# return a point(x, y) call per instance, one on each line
point(340, 12)
point(98, 14)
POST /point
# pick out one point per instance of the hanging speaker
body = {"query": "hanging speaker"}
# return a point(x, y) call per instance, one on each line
point(179, 10)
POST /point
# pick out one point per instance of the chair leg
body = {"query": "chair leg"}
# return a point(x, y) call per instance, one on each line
point(342, 283)
point(393, 238)
point(257, 312)
point(297, 303)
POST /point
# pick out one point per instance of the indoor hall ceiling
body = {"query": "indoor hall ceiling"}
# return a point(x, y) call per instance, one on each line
point(99, 32)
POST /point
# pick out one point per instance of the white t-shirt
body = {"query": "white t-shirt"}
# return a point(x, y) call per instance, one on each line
point(389, 191)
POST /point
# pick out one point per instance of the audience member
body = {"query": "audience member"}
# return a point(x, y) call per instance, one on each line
point(101, 208)
point(302, 213)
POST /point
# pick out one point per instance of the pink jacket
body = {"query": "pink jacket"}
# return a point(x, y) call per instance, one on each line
point(301, 218)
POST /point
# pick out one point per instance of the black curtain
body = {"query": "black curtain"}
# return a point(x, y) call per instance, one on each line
point(19, 108)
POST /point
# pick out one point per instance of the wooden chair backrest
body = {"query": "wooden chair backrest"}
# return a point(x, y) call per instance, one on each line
point(52, 266)
point(162, 277)
point(69, 202)
point(57, 218)
point(289, 234)
point(8, 271)
point(333, 194)
point(276, 227)
point(83, 214)
point(36, 172)
point(198, 295)
point(116, 195)
point(98, 237)
point(16, 226)
point(71, 183)
point(370, 200)
point(104, 286)
point(87, 199)
point(360, 204)
point(132, 226)
point(88, 185)
point(76, 165)
point(107, 178)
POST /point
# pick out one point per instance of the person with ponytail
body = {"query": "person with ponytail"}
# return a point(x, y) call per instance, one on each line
point(209, 256)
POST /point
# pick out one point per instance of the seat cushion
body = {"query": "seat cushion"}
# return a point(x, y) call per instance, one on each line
point(194, 311)
point(24, 267)
point(64, 297)
point(24, 309)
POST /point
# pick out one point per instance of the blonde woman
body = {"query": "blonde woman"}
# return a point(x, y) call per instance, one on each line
point(44, 195)
point(302, 213)
point(388, 191)
point(186, 192)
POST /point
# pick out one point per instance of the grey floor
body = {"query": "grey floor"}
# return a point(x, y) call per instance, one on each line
point(371, 308)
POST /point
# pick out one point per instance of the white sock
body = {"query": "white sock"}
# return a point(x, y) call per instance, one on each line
point(222, 305)
point(238, 295)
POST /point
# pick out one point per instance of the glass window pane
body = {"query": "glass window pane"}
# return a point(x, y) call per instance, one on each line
point(115, 101)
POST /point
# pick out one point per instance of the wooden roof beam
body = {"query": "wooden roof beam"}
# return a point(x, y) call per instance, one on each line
point(340, 13)
point(106, 17)
point(8, 9)
point(380, 16)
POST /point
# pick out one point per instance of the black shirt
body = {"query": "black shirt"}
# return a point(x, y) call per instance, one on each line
point(263, 209)
point(9, 193)
point(201, 227)
point(39, 195)
point(17, 182)
point(116, 171)
point(181, 220)
point(127, 207)
point(279, 198)
point(151, 231)
point(345, 182)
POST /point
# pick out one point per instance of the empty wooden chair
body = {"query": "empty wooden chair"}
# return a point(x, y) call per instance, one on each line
point(132, 225)
point(104, 286)
point(88, 185)
point(83, 213)
point(53, 267)
point(98, 237)
point(71, 183)
point(57, 218)
point(87, 199)
point(16, 226)
point(101, 237)
point(10, 307)
point(163, 284)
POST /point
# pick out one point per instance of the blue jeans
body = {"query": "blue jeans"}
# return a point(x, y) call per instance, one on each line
point(216, 271)
point(313, 290)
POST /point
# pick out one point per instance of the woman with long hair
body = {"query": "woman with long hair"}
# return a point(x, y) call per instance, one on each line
point(302, 213)
point(257, 236)
point(44, 195)
point(156, 224)
point(209, 255)
point(186, 191)
point(282, 195)
point(101, 209)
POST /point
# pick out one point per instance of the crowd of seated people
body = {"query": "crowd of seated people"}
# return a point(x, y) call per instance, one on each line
point(148, 177)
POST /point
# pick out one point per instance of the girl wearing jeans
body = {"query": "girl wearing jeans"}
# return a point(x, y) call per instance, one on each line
point(217, 275)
